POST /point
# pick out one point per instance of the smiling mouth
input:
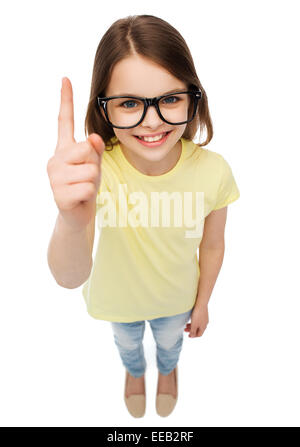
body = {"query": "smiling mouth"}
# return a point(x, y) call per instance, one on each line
point(154, 138)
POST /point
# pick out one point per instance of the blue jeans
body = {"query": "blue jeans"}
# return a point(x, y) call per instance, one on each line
point(167, 333)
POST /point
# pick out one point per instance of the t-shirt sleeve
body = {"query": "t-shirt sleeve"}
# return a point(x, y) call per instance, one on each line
point(228, 190)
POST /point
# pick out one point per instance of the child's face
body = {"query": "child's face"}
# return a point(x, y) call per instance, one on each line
point(142, 77)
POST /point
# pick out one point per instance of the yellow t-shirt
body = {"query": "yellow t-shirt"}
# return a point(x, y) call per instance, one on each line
point(146, 263)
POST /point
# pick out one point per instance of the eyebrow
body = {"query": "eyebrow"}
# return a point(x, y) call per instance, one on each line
point(166, 93)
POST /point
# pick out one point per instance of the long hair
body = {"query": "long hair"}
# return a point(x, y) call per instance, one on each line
point(155, 39)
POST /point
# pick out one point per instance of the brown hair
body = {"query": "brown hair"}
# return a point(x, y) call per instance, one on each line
point(155, 39)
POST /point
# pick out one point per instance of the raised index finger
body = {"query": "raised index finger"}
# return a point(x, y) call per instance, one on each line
point(66, 115)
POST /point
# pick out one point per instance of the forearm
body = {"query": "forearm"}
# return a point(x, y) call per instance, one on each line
point(210, 262)
point(69, 255)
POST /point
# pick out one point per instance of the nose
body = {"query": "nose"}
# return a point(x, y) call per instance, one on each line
point(151, 119)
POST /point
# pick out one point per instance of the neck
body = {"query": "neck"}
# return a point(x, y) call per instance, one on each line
point(159, 167)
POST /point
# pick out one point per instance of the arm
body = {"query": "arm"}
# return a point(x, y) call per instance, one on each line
point(211, 254)
point(70, 253)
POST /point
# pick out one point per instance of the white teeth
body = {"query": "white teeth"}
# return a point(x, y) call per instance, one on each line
point(157, 138)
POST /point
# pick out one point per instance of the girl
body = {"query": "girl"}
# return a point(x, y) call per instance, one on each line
point(158, 197)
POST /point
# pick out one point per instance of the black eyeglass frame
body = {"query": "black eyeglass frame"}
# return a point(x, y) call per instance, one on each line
point(102, 102)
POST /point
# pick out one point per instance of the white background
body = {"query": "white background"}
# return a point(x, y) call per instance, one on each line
point(59, 366)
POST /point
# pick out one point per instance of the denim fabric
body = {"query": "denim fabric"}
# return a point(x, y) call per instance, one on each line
point(168, 336)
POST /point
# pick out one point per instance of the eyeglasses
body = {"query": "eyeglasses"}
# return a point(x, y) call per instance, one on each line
point(122, 116)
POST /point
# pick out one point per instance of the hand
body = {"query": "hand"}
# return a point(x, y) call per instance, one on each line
point(199, 321)
point(74, 170)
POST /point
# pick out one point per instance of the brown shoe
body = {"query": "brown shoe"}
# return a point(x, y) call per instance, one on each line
point(165, 403)
point(136, 403)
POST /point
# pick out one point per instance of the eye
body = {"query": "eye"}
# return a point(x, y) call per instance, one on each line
point(131, 101)
point(169, 100)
